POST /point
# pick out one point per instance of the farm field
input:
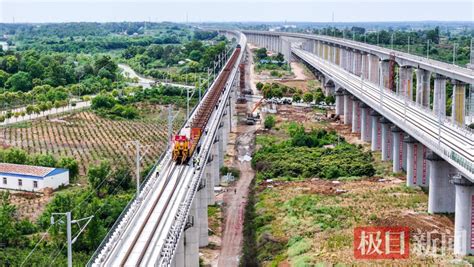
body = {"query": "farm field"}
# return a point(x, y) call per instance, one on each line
point(90, 138)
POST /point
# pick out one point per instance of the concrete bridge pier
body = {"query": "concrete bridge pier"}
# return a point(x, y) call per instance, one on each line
point(356, 115)
point(233, 102)
point(365, 124)
point(347, 108)
point(191, 236)
point(225, 133)
point(220, 145)
point(440, 198)
point(423, 87)
point(463, 218)
point(439, 97)
point(406, 82)
point(386, 141)
point(422, 168)
point(412, 157)
point(459, 102)
point(202, 221)
point(397, 149)
point(376, 131)
point(384, 70)
point(209, 172)
point(339, 103)
point(364, 65)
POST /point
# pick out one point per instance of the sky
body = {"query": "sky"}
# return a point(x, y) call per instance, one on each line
point(234, 10)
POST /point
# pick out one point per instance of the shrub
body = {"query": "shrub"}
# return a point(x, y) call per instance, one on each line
point(308, 97)
point(303, 156)
point(269, 122)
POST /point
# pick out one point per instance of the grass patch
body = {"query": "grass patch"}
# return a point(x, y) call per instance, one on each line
point(338, 241)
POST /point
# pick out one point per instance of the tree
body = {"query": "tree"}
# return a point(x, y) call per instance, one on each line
point(330, 100)
point(103, 101)
point(105, 63)
point(70, 164)
point(12, 64)
point(97, 174)
point(261, 53)
point(269, 122)
point(121, 178)
point(45, 160)
point(308, 97)
point(195, 55)
point(155, 51)
point(296, 98)
point(7, 222)
point(319, 97)
point(279, 57)
point(14, 155)
point(20, 81)
point(259, 86)
point(3, 78)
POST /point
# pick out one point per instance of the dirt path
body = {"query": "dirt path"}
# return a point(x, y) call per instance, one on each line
point(299, 71)
point(236, 198)
point(250, 78)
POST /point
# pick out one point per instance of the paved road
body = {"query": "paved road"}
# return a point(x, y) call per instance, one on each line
point(127, 71)
point(54, 111)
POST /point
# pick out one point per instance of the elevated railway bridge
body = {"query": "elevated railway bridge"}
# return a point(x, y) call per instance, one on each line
point(167, 222)
point(409, 122)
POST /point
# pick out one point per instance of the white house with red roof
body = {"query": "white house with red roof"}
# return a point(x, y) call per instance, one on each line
point(31, 178)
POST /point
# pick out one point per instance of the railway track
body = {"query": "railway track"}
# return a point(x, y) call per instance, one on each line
point(148, 235)
point(142, 240)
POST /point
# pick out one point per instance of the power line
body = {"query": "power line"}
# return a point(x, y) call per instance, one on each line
point(37, 243)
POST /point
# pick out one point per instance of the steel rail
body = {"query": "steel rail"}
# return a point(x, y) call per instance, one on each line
point(147, 218)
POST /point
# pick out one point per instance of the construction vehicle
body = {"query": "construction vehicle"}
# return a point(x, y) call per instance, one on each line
point(253, 116)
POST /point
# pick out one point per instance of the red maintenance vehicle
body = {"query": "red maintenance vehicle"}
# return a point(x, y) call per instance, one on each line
point(185, 142)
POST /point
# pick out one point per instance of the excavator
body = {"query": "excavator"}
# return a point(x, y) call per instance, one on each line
point(253, 117)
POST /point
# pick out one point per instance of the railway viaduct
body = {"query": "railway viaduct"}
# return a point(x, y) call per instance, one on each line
point(388, 98)
point(166, 223)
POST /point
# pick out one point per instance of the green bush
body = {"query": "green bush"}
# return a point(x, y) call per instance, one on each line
point(304, 155)
point(269, 122)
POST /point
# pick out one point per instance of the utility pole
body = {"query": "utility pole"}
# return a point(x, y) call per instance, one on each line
point(208, 77)
point(138, 158)
point(408, 44)
point(170, 123)
point(199, 88)
point(454, 54)
point(187, 103)
point(70, 239)
point(428, 49)
point(391, 41)
point(377, 38)
point(471, 54)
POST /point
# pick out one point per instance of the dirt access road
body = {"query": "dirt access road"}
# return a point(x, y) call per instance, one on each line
point(236, 199)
